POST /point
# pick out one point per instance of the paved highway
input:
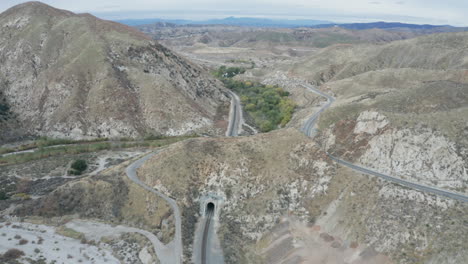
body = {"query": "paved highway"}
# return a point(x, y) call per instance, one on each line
point(175, 247)
point(235, 116)
point(309, 126)
point(309, 130)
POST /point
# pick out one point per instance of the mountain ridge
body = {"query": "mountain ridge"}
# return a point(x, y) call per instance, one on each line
point(77, 76)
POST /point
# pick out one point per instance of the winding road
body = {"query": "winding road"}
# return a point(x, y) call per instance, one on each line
point(309, 130)
point(171, 253)
point(235, 116)
point(309, 126)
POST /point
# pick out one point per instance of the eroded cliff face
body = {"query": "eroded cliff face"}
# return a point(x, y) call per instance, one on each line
point(76, 76)
point(418, 154)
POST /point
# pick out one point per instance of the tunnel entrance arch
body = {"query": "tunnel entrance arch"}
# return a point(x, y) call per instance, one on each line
point(210, 202)
point(210, 208)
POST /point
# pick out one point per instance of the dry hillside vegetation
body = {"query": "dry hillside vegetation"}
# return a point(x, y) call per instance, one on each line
point(401, 108)
point(76, 76)
point(108, 196)
point(252, 37)
point(270, 181)
point(447, 51)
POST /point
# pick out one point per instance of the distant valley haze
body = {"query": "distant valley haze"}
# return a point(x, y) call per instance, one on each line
point(306, 12)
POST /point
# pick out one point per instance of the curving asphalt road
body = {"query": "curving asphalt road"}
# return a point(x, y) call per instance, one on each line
point(235, 116)
point(309, 130)
point(309, 126)
point(175, 247)
point(416, 186)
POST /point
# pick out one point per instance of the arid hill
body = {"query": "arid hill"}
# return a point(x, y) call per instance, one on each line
point(284, 200)
point(445, 51)
point(252, 37)
point(76, 76)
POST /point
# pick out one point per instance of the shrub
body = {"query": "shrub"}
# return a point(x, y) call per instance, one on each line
point(45, 141)
point(21, 196)
point(224, 72)
point(3, 195)
point(266, 126)
point(153, 137)
point(23, 241)
point(78, 167)
point(13, 254)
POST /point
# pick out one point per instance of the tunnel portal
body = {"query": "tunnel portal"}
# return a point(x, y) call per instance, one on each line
point(210, 209)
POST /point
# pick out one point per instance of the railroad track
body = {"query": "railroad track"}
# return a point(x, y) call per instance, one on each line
point(206, 231)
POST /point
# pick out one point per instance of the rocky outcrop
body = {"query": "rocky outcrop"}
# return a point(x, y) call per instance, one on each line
point(420, 154)
point(76, 76)
point(370, 122)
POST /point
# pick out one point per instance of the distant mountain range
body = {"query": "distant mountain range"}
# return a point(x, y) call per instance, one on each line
point(231, 21)
point(284, 23)
point(383, 25)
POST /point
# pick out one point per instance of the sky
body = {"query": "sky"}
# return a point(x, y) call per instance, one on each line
point(442, 12)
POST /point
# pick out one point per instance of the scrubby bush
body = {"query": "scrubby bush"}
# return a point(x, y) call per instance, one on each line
point(4, 108)
point(224, 72)
point(21, 196)
point(153, 136)
point(3, 196)
point(12, 254)
point(78, 167)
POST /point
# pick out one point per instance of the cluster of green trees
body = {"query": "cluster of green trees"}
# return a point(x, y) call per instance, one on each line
point(268, 105)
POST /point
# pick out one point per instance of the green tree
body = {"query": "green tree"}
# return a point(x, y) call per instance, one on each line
point(78, 167)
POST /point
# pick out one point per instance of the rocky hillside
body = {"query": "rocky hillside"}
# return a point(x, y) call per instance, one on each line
point(252, 37)
point(76, 76)
point(286, 202)
point(446, 51)
point(401, 108)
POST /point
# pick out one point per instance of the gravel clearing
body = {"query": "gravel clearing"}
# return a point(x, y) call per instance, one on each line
point(44, 244)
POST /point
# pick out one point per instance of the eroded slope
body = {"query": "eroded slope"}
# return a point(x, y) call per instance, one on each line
point(77, 76)
point(281, 189)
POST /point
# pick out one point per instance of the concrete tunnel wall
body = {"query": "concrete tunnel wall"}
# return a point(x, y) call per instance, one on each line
point(215, 202)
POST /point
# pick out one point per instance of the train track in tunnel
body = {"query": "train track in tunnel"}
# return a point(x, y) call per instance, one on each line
point(209, 213)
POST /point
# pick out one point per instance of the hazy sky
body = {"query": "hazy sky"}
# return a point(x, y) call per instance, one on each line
point(412, 11)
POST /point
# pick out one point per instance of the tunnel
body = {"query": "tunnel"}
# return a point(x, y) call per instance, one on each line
point(210, 208)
